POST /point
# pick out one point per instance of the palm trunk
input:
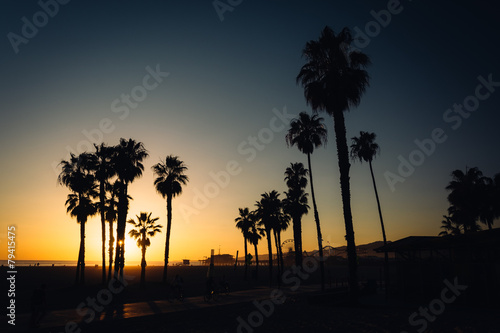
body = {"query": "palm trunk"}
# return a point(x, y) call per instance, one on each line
point(386, 256)
point(256, 262)
point(281, 252)
point(270, 251)
point(246, 253)
point(111, 241)
point(318, 226)
point(167, 242)
point(297, 229)
point(277, 256)
point(102, 199)
point(82, 250)
point(143, 267)
point(78, 263)
point(344, 165)
point(120, 232)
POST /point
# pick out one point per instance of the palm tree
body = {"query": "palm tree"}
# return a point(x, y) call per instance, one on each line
point(111, 214)
point(489, 210)
point(127, 162)
point(308, 133)
point(254, 236)
point(169, 181)
point(77, 176)
point(144, 228)
point(450, 227)
point(267, 213)
point(334, 79)
point(244, 222)
point(103, 170)
point(365, 149)
point(465, 197)
point(295, 203)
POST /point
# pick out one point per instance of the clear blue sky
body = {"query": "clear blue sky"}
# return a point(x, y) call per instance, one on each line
point(225, 79)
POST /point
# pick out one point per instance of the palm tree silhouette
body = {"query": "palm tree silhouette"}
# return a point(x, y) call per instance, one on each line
point(308, 133)
point(489, 210)
point(295, 203)
point(144, 228)
point(268, 210)
point(254, 236)
point(128, 166)
point(111, 215)
point(169, 181)
point(465, 197)
point(365, 149)
point(450, 227)
point(244, 222)
point(283, 222)
point(334, 79)
point(103, 170)
point(76, 174)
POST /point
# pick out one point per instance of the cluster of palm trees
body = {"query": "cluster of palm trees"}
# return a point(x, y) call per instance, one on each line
point(473, 198)
point(99, 183)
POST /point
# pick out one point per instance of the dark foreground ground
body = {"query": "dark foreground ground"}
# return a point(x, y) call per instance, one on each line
point(304, 310)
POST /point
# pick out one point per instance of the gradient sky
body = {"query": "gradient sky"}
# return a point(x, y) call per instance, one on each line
point(225, 79)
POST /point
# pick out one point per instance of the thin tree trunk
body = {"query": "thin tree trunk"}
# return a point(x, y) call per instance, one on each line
point(318, 226)
point(110, 250)
point(281, 252)
point(143, 267)
point(386, 256)
point(120, 231)
point(270, 251)
point(297, 240)
point(167, 242)
point(246, 253)
point(344, 166)
point(256, 262)
point(102, 199)
point(82, 249)
point(78, 263)
point(277, 255)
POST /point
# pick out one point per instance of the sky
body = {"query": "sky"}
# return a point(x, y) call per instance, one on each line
point(216, 87)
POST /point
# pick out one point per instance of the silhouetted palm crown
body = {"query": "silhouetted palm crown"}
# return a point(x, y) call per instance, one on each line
point(307, 133)
point(144, 228)
point(170, 176)
point(364, 148)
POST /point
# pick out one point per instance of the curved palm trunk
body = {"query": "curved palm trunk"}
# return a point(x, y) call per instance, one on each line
point(270, 251)
point(167, 242)
point(143, 267)
point(344, 166)
point(246, 253)
point(256, 262)
point(318, 226)
point(102, 199)
point(297, 230)
point(110, 250)
point(386, 256)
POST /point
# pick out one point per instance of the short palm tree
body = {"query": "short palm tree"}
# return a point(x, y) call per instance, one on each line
point(307, 133)
point(168, 183)
point(103, 170)
point(77, 175)
point(365, 149)
point(295, 203)
point(144, 228)
point(127, 161)
point(450, 227)
point(334, 79)
point(267, 212)
point(244, 222)
point(254, 236)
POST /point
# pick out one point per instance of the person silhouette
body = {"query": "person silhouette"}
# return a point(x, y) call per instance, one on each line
point(38, 304)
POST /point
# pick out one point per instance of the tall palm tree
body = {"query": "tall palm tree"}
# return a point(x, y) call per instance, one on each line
point(244, 222)
point(282, 225)
point(168, 183)
point(103, 170)
point(127, 162)
point(465, 197)
point(77, 176)
point(267, 212)
point(295, 203)
point(334, 79)
point(365, 149)
point(254, 236)
point(144, 228)
point(307, 133)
